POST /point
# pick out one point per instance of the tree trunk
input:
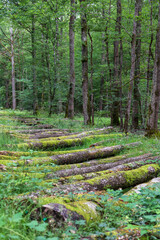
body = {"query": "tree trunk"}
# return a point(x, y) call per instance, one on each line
point(116, 84)
point(91, 80)
point(101, 167)
point(84, 64)
point(70, 104)
point(35, 101)
point(136, 95)
point(108, 91)
point(152, 126)
point(133, 59)
point(13, 71)
point(149, 65)
point(86, 155)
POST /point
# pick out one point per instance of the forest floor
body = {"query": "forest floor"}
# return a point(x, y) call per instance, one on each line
point(61, 180)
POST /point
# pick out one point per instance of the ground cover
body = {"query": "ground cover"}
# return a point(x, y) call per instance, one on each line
point(83, 190)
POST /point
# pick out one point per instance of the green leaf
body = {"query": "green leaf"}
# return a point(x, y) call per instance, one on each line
point(32, 224)
point(16, 217)
point(41, 238)
point(41, 227)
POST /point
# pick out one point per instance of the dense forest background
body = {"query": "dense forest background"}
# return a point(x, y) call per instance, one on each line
point(82, 56)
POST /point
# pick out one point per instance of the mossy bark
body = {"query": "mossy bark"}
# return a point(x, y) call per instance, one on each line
point(114, 180)
point(86, 155)
point(98, 167)
point(62, 212)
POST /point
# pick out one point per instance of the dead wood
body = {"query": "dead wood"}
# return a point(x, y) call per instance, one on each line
point(52, 144)
point(98, 167)
point(86, 155)
point(89, 154)
point(114, 180)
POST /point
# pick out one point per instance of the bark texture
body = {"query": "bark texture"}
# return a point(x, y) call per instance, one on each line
point(99, 167)
point(13, 71)
point(70, 105)
point(152, 126)
point(136, 95)
point(116, 83)
point(84, 31)
point(133, 60)
point(84, 156)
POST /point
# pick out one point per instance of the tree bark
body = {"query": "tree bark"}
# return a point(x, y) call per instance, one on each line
point(149, 65)
point(70, 104)
point(152, 126)
point(116, 83)
point(86, 155)
point(13, 71)
point(133, 59)
point(35, 101)
point(101, 167)
point(136, 95)
point(91, 80)
point(84, 64)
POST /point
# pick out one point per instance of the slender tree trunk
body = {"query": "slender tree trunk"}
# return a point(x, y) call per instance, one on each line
point(91, 80)
point(107, 56)
point(149, 65)
point(116, 83)
point(7, 94)
point(70, 104)
point(13, 71)
point(84, 64)
point(35, 101)
point(136, 93)
point(152, 126)
point(133, 59)
point(120, 81)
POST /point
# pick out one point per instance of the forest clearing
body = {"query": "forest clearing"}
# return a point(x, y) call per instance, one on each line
point(79, 119)
point(60, 183)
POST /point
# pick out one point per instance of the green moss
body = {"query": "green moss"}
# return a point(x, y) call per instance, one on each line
point(132, 175)
point(3, 157)
point(6, 162)
point(85, 208)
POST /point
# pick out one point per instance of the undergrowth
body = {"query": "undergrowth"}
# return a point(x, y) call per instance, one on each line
point(138, 211)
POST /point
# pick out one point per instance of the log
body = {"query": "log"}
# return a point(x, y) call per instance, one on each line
point(137, 189)
point(82, 177)
point(86, 155)
point(58, 213)
point(91, 153)
point(52, 144)
point(114, 180)
point(34, 131)
point(96, 168)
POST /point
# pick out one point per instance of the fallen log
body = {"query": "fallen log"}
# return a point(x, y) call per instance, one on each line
point(138, 188)
point(34, 131)
point(86, 155)
point(57, 213)
point(96, 168)
point(89, 154)
point(114, 180)
point(52, 144)
point(82, 177)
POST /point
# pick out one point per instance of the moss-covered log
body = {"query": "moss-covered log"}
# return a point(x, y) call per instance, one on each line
point(86, 155)
point(138, 188)
point(123, 167)
point(52, 144)
point(114, 180)
point(98, 167)
point(59, 213)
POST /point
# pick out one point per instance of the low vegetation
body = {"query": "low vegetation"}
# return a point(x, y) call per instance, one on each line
point(47, 194)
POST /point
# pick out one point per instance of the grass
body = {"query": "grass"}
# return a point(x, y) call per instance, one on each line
point(15, 222)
